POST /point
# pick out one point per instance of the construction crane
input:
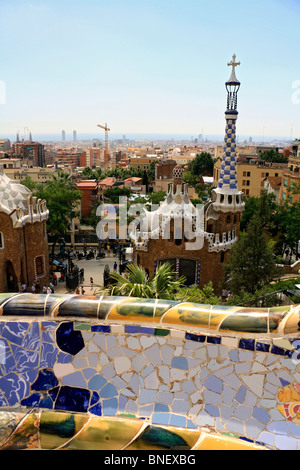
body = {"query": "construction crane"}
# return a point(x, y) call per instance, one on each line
point(106, 158)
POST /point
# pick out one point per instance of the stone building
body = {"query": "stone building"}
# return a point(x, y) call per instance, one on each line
point(196, 241)
point(23, 237)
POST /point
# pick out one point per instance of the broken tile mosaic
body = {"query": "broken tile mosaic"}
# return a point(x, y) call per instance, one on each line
point(136, 370)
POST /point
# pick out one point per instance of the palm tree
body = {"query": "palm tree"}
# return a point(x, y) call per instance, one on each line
point(136, 283)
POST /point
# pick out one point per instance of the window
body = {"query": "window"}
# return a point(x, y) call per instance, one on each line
point(285, 182)
point(248, 173)
point(222, 256)
point(228, 219)
point(248, 183)
point(39, 266)
point(1, 241)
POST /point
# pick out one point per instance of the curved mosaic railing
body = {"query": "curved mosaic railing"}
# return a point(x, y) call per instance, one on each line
point(95, 372)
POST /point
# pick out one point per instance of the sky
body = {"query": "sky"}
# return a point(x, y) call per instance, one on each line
point(148, 66)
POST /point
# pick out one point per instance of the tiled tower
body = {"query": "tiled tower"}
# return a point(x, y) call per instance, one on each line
point(207, 233)
point(227, 196)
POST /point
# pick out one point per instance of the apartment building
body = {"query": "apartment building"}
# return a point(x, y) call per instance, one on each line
point(32, 153)
point(291, 176)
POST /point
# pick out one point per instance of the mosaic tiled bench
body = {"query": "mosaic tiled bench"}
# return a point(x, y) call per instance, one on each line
point(80, 372)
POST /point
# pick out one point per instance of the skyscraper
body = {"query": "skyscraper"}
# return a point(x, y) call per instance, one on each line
point(74, 136)
point(63, 136)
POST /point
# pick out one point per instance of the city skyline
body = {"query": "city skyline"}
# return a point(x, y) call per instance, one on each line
point(148, 67)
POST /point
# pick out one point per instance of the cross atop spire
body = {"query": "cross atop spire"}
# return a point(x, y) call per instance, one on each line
point(234, 64)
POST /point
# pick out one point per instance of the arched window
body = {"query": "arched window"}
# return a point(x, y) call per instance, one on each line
point(39, 266)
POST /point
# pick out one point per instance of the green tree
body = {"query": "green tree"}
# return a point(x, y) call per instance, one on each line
point(62, 199)
point(113, 194)
point(273, 156)
point(161, 285)
point(251, 264)
point(288, 221)
point(202, 165)
point(196, 295)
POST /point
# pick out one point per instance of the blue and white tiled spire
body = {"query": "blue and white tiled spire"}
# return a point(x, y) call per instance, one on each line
point(228, 178)
point(227, 196)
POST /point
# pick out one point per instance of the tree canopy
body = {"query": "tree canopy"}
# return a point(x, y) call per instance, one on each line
point(251, 264)
point(62, 199)
point(273, 156)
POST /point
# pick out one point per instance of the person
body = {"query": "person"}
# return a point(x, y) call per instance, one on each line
point(48, 291)
point(82, 291)
point(24, 287)
point(115, 266)
point(52, 288)
point(54, 277)
point(33, 288)
point(44, 289)
point(37, 286)
point(77, 291)
point(224, 294)
point(91, 281)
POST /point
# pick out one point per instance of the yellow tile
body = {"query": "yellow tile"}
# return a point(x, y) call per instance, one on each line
point(188, 314)
point(219, 442)
point(105, 434)
point(292, 322)
point(26, 435)
point(57, 428)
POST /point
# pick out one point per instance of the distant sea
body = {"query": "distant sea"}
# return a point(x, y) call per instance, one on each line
point(144, 137)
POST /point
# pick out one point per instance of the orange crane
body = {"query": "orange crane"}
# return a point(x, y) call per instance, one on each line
point(106, 157)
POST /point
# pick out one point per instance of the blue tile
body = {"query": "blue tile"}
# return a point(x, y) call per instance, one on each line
point(198, 338)
point(110, 407)
point(214, 340)
point(33, 400)
point(147, 331)
point(161, 418)
point(131, 329)
point(101, 328)
point(97, 382)
point(248, 344)
point(96, 409)
point(46, 380)
point(68, 339)
point(108, 391)
point(261, 415)
point(212, 410)
point(241, 394)
point(161, 408)
point(178, 420)
point(278, 351)
point(214, 384)
point(262, 347)
point(180, 362)
point(73, 399)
